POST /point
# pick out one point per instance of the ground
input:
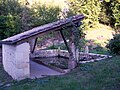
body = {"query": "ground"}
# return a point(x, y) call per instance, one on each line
point(101, 75)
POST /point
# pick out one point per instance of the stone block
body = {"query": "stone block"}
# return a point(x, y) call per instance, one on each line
point(16, 60)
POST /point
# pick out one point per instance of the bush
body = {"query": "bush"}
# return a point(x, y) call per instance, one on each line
point(10, 18)
point(114, 44)
point(9, 25)
point(45, 14)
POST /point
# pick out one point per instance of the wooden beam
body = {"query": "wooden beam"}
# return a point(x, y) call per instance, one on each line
point(64, 40)
point(33, 43)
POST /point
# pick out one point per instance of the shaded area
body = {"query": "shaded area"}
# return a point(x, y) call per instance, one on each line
point(59, 62)
point(39, 71)
point(4, 77)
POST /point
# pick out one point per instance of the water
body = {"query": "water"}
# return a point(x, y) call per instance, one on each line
point(59, 62)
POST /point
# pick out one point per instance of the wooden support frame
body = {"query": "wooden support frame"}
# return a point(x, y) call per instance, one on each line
point(61, 32)
point(34, 44)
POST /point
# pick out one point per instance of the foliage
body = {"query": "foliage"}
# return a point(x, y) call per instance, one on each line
point(9, 25)
point(45, 14)
point(116, 12)
point(17, 17)
point(10, 21)
point(114, 44)
point(110, 13)
point(105, 15)
point(10, 7)
point(61, 46)
point(91, 10)
point(95, 11)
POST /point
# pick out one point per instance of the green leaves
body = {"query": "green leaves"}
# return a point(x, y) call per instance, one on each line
point(90, 9)
point(16, 17)
point(45, 14)
point(114, 44)
point(9, 25)
point(107, 0)
point(116, 13)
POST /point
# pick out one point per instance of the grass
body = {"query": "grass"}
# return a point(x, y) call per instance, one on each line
point(101, 75)
point(4, 77)
point(100, 34)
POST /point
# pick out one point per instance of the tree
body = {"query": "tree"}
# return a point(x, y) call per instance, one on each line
point(116, 12)
point(90, 8)
point(17, 17)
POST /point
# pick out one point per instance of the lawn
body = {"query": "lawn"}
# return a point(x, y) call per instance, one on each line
point(101, 75)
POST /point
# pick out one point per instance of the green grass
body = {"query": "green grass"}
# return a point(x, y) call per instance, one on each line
point(101, 75)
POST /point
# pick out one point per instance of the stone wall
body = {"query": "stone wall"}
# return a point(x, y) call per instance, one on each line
point(16, 60)
point(50, 53)
point(64, 53)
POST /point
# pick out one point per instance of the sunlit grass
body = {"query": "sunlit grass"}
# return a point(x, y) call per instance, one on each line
point(100, 34)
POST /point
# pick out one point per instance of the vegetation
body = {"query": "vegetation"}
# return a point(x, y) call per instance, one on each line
point(16, 17)
point(90, 9)
point(97, 11)
point(116, 13)
point(102, 75)
point(114, 44)
point(19, 16)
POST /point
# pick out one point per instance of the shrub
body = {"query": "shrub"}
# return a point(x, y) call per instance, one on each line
point(10, 18)
point(9, 25)
point(114, 44)
point(45, 14)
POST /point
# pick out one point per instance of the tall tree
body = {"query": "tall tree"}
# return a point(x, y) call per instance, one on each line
point(90, 8)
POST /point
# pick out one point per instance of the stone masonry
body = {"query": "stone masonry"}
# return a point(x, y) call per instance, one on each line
point(50, 53)
point(16, 60)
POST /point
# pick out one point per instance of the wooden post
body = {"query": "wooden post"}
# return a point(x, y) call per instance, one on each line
point(64, 41)
point(71, 49)
point(32, 43)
